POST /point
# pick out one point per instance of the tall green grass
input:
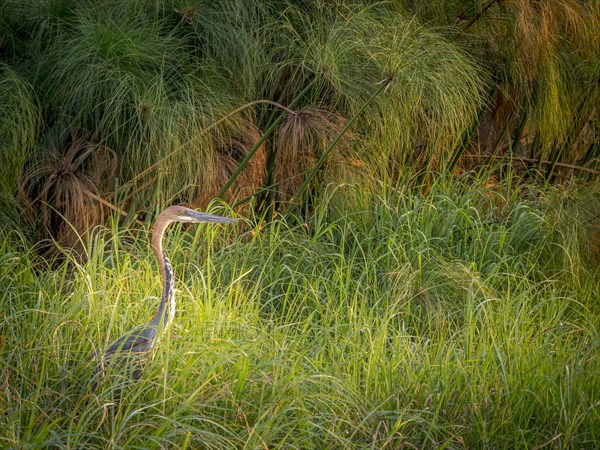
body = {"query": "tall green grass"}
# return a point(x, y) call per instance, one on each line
point(466, 318)
point(19, 128)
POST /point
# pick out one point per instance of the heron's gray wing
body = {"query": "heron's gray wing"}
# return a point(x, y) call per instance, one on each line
point(138, 340)
point(127, 351)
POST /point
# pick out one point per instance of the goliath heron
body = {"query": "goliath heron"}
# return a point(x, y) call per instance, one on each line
point(130, 348)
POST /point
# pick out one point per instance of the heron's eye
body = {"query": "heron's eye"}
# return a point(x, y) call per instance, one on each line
point(182, 212)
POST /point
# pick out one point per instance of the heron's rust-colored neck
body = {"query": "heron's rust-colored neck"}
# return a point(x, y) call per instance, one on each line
point(167, 301)
point(162, 222)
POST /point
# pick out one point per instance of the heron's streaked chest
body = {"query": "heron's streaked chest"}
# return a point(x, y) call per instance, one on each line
point(169, 292)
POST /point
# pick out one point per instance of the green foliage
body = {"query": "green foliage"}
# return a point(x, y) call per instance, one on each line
point(544, 58)
point(128, 80)
point(19, 130)
point(465, 318)
point(346, 49)
point(19, 126)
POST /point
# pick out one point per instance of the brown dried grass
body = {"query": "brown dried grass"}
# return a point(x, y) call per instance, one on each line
point(230, 151)
point(301, 139)
point(541, 28)
point(61, 192)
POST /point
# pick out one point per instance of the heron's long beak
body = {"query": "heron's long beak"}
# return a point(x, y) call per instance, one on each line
point(198, 216)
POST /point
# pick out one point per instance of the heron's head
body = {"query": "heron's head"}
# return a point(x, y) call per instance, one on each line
point(183, 214)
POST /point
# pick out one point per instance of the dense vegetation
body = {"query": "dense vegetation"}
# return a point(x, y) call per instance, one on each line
point(417, 260)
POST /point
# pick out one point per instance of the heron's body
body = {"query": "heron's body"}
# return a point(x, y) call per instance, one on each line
point(131, 348)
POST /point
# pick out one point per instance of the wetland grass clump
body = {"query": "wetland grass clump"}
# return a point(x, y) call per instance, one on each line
point(20, 123)
point(465, 318)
